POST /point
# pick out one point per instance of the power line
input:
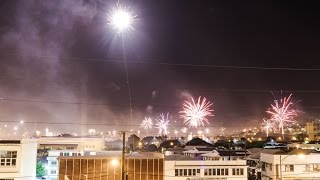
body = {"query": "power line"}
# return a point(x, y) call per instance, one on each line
point(164, 63)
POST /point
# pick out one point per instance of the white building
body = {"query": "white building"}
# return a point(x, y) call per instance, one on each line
point(296, 164)
point(72, 143)
point(18, 159)
point(211, 167)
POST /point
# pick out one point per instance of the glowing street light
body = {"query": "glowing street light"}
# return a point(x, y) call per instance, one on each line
point(114, 162)
point(121, 19)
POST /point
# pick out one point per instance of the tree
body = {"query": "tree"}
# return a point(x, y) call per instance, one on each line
point(40, 169)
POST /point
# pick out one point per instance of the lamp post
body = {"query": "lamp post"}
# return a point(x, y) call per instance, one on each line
point(301, 156)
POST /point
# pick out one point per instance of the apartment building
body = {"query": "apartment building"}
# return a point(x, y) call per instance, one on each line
point(211, 167)
point(18, 159)
point(299, 164)
point(313, 130)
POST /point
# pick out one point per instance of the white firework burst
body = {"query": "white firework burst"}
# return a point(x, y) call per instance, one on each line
point(162, 124)
point(147, 123)
point(195, 113)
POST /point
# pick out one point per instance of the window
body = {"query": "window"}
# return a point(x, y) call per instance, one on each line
point(198, 171)
point(216, 172)
point(53, 172)
point(237, 171)
point(289, 168)
point(8, 158)
point(194, 172)
point(54, 163)
point(312, 167)
point(186, 172)
point(270, 167)
point(263, 167)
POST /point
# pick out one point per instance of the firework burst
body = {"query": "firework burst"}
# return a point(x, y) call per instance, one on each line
point(282, 113)
point(162, 124)
point(267, 125)
point(195, 113)
point(147, 123)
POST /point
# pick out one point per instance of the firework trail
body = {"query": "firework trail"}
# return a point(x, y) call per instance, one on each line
point(162, 124)
point(147, 123)
point(282, 113)
point(195, 113)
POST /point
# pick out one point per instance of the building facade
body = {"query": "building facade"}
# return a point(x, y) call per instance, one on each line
point(146, 166)
point(72, 143)
point(52, 159)
point(313, 130)
point(297, 164)
point(212, 167)
point(18, 159)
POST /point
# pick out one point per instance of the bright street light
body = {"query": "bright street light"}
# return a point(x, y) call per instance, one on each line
point(114, 162)
point(121, 19)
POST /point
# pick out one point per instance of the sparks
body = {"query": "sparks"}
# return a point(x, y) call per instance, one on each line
point(282, 113)
point(267, 125)
point(162, 124)
point(147, 123)
point(121, 19)
point(195, 114)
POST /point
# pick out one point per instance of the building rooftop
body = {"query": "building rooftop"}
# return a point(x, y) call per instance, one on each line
point(178, 157)
point(134, 155)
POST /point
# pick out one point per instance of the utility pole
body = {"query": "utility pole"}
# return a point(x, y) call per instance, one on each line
point(123, 155)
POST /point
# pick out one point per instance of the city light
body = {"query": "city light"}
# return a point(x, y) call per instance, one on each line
point(114, 162)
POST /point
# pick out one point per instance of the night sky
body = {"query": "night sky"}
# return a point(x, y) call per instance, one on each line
point(61, 62)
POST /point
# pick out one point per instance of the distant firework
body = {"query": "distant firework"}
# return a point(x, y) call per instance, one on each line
point(195, 113)
point(267, 125)
point(146, 123)
point(282, 112)
point(162, 124)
